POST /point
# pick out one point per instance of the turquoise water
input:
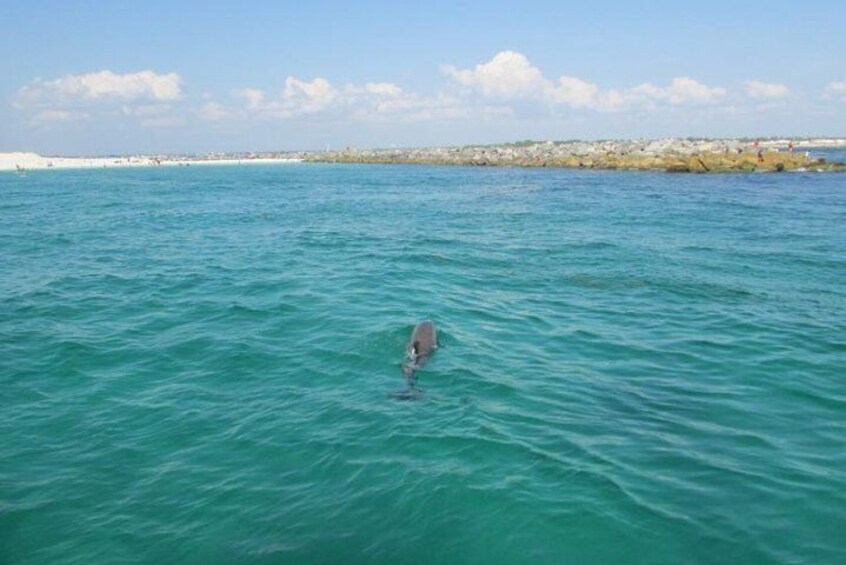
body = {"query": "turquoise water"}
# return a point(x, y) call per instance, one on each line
point(196, 366)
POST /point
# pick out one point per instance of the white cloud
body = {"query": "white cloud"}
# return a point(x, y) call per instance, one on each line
point(383, 89)
point(297, 98)
point(508, 84)
point(646, 90)
point(508, 75)
point(836, 89)
point(414, 108)
point(574, 92)
point(144, 96)
point(102, 85)
point(45, 116)
point(758, 89)
point(578, 93)
point(252, 96)
point(146, 110)
point(301, 97)
point(683, 90)
point(212, 111)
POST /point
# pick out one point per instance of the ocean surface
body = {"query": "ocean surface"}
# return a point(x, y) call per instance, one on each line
point(196, 366)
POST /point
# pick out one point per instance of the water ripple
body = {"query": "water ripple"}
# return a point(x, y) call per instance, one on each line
point(195, 365)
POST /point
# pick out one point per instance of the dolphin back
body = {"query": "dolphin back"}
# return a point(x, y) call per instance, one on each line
point(421, 345)
point(423, 341)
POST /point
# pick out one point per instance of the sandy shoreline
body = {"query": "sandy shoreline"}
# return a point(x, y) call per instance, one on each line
point(34, 161)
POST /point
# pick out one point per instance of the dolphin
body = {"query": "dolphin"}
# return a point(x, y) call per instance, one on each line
point(421, 346)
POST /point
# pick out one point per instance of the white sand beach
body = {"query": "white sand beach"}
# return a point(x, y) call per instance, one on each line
point(34, 161)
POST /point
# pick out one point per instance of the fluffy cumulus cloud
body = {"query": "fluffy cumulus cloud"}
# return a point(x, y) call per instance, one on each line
point(578, 93)
point(575, 92)
point(373, 100)
point(414, 108)
point(506, 85)
point(510, 76)
point(383, 88)
point(102, 85)
point(145, 97)
point(301, 97)
point(486, 91)
point(684, 89)
point(298, 97)
point(681, 90)
point(836, 89)
point(766, 90)
point(252, 97)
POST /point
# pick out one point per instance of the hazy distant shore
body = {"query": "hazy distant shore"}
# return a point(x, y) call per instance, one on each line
point(672, 155)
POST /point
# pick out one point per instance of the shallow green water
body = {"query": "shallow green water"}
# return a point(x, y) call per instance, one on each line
point(195, 366)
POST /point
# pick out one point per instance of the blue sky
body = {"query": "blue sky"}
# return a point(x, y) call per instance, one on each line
point(123, 77)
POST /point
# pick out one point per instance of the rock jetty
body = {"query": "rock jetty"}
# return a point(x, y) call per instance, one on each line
point(671, 155)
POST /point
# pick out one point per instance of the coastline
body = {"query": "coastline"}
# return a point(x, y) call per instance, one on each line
point(668, 155)
point(34, 161)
